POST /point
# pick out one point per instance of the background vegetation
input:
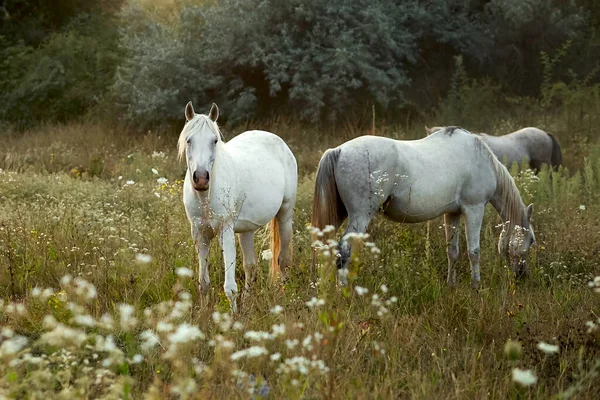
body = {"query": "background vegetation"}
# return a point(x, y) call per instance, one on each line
point(138, 61)
point(91, 101)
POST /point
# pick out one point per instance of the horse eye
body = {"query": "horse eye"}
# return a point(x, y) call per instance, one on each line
point(189, 141)
point(215, 141)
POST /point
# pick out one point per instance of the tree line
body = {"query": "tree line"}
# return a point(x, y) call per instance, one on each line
point(325, 61)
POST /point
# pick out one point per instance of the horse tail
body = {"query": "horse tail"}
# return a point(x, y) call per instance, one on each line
point(556, 158)
point(275, 247)
point(328, 207)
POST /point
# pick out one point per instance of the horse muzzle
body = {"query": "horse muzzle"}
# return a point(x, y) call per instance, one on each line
point(200, 180)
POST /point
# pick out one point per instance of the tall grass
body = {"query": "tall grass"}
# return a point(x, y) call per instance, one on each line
point(99, 295)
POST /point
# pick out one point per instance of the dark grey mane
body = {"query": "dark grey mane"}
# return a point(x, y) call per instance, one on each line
point(449, 130)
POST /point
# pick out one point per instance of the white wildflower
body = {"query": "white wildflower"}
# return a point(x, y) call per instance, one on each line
point(314, 302)
point(277, 309)
point(266, 255)
point(149, 340)
point(12, 346)
point(163, 326)
point(186, 333)
point(129, 183)
point(138, 358)
point(278, 330)
point(127, 320)
point(64, 336)
point(85, 320)
point(523, 377)
point(582, 207)
point(361, 290)
point(162, 181)
point(238, 326)
point(257, 336)
point(306, 343)
point(143, 258)
point(547, 348)
point(184, 272)
point(154, 171)
point(66, 280)
point(250, 352)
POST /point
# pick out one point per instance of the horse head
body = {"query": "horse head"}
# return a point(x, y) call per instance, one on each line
point(199, 140)
point(515, 245)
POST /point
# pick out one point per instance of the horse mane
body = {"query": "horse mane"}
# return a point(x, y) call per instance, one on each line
point(513, 208)
point(197, 122)
point(449, 130)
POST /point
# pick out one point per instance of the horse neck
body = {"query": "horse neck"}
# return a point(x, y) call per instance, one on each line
point(507, 200)
point(223, 164)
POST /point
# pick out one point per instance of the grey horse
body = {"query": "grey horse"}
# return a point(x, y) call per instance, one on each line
point(451, 172)
point(536, 145)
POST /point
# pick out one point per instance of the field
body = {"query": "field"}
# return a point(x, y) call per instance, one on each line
point(98, 294)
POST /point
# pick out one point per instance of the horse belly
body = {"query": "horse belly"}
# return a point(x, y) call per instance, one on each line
point(257, 212)
point(413, 208)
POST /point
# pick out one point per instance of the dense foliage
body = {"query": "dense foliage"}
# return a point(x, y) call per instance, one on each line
point(319, 60)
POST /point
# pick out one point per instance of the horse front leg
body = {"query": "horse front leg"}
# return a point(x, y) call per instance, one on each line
point(451, 223)
point(474, 219)
point(202, 244)
point(227, 241)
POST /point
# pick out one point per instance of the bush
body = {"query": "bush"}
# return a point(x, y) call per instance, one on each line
point(64, 77)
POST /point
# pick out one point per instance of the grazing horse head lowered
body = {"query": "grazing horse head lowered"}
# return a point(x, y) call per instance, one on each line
point(450, 172)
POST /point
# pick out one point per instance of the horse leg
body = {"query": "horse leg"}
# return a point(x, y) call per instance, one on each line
point(284, 221)
point(249, 257)
point(451, 224)
point(227, 241)
point(474, 219)
point(202, 244)
point(356, 224)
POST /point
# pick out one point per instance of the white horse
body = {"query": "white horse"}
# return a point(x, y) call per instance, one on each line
point(534, 144)
point(237, 187)
point(450, 173)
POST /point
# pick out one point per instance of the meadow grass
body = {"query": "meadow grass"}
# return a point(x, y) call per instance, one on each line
point(99, 296)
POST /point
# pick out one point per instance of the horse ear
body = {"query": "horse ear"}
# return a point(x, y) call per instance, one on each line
point(428, 130)
point(529, 211)
point(214, 113)
point(189, 111)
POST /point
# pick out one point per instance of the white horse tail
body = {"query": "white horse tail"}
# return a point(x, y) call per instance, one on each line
point(556, 158)
point(275, 248)
point(328, 207)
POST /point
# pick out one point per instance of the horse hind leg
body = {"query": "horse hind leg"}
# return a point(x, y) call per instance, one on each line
point(474, 219)
point(249, 258)
point(284, 225)
point(357, 223)
point(451, 224)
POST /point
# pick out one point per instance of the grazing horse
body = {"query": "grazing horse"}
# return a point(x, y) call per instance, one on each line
point(451, 172)
point(537, 146)
point(236, 187)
